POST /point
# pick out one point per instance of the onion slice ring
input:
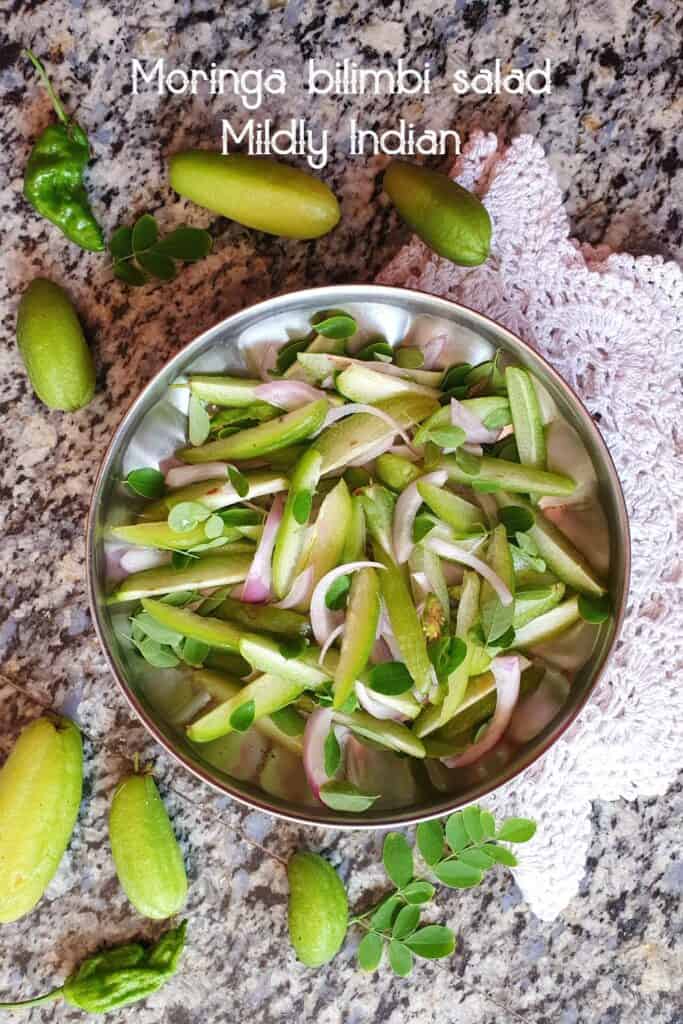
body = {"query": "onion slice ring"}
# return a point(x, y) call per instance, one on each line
point(507, 671)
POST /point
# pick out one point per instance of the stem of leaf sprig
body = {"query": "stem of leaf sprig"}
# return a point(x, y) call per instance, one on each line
point(458, 854)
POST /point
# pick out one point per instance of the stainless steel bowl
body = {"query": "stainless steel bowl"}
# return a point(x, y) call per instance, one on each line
point(155, 425)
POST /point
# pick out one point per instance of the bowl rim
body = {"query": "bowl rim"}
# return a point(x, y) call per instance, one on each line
point(390, 818)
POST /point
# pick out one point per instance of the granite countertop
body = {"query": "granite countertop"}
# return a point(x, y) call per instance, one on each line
point(611, 128)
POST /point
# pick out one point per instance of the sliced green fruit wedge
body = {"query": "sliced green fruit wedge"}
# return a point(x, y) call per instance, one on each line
point(483, 408)
point(357, 435)
point(463, 517)
point(160, 535)
point(557, 551)
point(319, 367)
point(261, 440)
point(388, 733)
point(526, 417)
point(263, 618)
point(362, 384)
point(218, 493)
point(362, 616)
point(268, 693)
point(479, 704)
point(548, 625)
point(497, 473)
point(212, 571)
point(396, 472)
point(265, 655)
point(291, 532)
point(354, 541)
point(234, 392)
point(331, 532)
point(333, 346)
point(404, 620)
point(529, 604)
point(209, 630)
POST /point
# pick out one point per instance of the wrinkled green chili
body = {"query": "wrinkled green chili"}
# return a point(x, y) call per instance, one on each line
point(117, 976)
point(53, 181)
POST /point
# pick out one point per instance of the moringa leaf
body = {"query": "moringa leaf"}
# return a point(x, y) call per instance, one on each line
point(145, 232)
point(390, 678)
point(594, 609)
point(517, 830)
point(332, 754)
point(344, 796)
point(370, 952)
point(185, 244)
point(334, 323)
point(301, 507)
point(400, 958)
point(457, 875)
point(406, 922)
point(432, 942)
point(199, 424)
point(397, 857)
point(238, 481)
point(148, 483)
point(243, 716)
point(430, 841)
point(156, 264)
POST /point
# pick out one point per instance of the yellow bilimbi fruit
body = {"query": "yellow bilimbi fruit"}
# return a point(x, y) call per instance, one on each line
point(40, 793)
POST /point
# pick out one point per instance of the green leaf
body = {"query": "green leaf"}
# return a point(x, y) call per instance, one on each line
point(121, 243)
point(335, 598)
point(409, 357)
point(145, 232)
point(240, 516)
point(400, 958)
point(500, 854)
point(289, 721)
point(344, 796)
point(418, 892)
point(181, 560)
point(496, 619)
point(457, 875)
point(356, 477)
point(199, 424)
point(497, 418)
point(398, 859)
point(301, 507)
point(448, 437)
point(243, 716)
point(129, 273)
point(527, 544)
point(488, 824)
point(517, 830)
point(156, 654)
point(516, 519)
point(370, 952)
point(432, 942)
point(334, 324)
point(156, 264)
point(238, 481)
point(213, 527)
point(471, 819)
point(406, 922)
point(185, 244)
point(148, 483)
point(430, 841)
point(385, 913)
point(422, 525)
point(288, 353)
point(455, 832)
point(594, 609)
point(153, 629)
point(292, 646)
point(390, 678)
point(180, 597)
point(476, 859)
point(446, 655)
point(194, 652)
point(467, 462)
point(184, 516)
point(332, 754)
point(455, 376)
point(380, 348)
point(209, 545)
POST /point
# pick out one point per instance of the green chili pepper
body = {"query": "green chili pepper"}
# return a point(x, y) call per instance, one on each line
point(117, 976)
point(53, 182)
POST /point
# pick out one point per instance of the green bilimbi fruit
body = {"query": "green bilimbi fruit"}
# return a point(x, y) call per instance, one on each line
point(256, 191)
point(146, 854)
point(449, 219)
point(318, 909)
point(40, 792)
point(54, 350)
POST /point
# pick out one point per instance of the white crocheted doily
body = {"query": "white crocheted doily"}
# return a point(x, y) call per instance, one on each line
point(612, 325)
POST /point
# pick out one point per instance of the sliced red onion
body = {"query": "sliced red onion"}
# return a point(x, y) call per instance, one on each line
point(257, 586)
point(341, 362)
point(506, 671)
point(473, 449)
point(380, 651)
point(139, 559)
point(373, 704)
point(439, 351)
point(421, 588)
point(298, 591)
point(387, 634)
point(337, 631)
point(181, 476)
point(406, 509)
point(446, 549)
point(323, 620)
point(405, 452)
point(372, 453)
point(341, 411)
point(261, 358)
point(476, 432)
point(288, 394)
point(316, 732)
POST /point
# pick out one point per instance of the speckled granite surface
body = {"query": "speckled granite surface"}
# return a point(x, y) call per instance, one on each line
point(611, 127)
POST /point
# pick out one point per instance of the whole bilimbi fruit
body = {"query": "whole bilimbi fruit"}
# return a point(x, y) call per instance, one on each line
point(53, 347)
point(40, 793)
point(318, 909)
point(449, 219)
point(146, 854)
point(256, 191)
